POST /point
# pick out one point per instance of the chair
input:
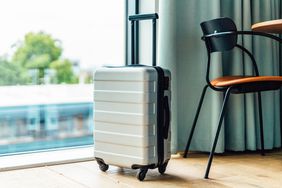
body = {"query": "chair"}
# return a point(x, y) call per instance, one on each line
point(220, 35)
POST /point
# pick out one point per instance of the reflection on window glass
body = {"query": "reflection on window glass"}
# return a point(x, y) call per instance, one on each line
point(49, 50)
point(45, 126)
point(45, 117)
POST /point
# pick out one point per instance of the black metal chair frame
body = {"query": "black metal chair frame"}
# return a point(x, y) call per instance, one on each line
point(236, 89)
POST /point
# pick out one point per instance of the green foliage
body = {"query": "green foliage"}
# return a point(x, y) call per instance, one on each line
point(37, 48)
point(64, 73)
point(39, 62)
point(37, 52)
point(88, 79)
point(12, 74)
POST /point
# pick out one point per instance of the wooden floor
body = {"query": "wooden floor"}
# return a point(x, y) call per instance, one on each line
point(228, 170)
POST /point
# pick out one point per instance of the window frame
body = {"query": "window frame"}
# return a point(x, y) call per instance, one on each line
point(132, 7)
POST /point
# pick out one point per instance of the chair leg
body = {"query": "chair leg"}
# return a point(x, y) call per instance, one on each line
point(195, 121)
point(261, 124)
point(223, 109)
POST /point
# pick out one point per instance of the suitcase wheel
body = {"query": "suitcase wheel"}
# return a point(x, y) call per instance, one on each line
point(103, 167)
point(142, 174)
point(162, 168)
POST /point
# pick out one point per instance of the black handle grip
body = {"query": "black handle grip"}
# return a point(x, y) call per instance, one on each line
point(138, 17)
point(166, 117)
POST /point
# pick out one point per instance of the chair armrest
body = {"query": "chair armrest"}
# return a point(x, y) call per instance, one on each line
point(220, 34)
point(260, 34)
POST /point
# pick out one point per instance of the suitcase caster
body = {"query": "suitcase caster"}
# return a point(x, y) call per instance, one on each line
point(142, 174)
point(162, 168)
point(103, 167)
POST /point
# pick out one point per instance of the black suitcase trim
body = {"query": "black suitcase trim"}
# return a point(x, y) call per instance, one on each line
point(160, 115)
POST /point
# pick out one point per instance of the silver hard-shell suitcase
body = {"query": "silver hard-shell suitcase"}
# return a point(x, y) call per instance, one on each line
point(132, 115)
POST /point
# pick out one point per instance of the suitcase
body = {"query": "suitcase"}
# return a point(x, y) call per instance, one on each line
point(132, 113)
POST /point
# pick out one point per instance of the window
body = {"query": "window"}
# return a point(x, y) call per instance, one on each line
point(48, 52)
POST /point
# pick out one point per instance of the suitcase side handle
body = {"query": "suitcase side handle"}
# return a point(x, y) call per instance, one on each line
point(166, 117)
point(134, 47)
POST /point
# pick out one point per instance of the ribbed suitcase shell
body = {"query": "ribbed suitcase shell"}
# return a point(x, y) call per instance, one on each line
point(125, 116)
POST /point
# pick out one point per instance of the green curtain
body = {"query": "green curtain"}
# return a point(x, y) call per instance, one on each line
point(182, 51)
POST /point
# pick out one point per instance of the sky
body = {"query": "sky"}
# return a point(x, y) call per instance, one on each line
point(91, 31)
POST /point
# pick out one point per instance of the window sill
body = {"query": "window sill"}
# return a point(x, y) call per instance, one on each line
point(44, 158)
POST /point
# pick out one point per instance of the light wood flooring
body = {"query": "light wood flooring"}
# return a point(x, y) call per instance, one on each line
point(228, 170)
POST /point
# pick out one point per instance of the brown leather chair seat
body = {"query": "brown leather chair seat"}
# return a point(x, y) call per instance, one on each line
point(227, 81)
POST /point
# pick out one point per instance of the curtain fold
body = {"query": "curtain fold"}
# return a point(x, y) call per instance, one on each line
point(166, 58)
point(185, 54)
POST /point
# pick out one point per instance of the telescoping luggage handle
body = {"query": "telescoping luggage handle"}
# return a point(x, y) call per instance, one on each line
point(136, 18)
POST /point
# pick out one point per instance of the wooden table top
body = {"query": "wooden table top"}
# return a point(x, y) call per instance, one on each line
point(272, 26)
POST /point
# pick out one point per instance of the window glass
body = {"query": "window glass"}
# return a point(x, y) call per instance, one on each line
point(49, 50)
